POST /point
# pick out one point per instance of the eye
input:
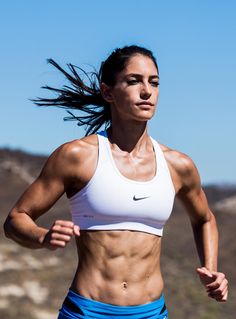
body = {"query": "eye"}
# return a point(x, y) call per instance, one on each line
point(132, 82)
point(155, 83)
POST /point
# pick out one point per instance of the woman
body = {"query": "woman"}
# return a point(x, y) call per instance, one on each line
point(121, 186)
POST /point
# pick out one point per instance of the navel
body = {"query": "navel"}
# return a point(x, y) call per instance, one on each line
point(124, 285)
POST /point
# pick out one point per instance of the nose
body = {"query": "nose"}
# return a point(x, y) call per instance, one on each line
point(146, 91)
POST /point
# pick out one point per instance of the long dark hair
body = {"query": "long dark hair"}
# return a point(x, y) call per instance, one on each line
point(87, 98)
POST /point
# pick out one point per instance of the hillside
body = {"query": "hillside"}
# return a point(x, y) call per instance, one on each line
point(35, 282)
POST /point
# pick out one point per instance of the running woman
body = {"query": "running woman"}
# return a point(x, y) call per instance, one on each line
point(121, 185)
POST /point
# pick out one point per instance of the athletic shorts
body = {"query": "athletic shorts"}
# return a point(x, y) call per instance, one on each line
point(76, 306)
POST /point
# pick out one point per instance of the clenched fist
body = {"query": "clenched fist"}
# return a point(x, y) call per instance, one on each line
point(215, 283)
point(60, 234)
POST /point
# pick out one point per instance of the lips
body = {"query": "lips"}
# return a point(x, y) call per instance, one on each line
point(145, 103)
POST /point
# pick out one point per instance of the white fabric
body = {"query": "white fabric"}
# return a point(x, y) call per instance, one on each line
point(110, 201)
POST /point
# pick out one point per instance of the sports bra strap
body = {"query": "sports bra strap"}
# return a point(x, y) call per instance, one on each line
point(103, 152)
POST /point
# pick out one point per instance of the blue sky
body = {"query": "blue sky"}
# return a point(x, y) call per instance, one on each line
point(193, 41)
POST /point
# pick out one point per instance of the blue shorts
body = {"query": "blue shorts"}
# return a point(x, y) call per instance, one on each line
point(76, 306)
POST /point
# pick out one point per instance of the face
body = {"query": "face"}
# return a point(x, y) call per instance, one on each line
point(135, 94)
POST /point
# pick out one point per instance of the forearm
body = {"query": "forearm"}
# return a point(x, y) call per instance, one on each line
point(206, 238)
point(22, 229)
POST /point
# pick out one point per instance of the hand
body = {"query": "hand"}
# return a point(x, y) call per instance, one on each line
point(60, 234)
point(215, 283)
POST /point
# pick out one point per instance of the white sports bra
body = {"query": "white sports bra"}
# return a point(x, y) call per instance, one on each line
point(111, 201)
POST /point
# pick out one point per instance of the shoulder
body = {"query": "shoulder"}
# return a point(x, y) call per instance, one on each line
point(71, 153)
point(181, 162)
point(183, 169)
point(75, 149)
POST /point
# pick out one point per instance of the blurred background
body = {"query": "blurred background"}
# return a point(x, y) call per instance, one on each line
point(194, 43)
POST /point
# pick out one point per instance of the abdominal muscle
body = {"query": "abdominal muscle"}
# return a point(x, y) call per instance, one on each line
point(118, 267)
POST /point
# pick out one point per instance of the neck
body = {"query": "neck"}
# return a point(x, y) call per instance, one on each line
point(129, 137)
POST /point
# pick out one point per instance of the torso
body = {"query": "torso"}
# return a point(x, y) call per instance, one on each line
point(117, 267)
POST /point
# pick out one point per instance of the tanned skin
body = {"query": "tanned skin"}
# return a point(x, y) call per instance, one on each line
point(119, 267)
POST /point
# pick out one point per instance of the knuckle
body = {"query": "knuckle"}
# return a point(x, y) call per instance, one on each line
point(64, 223)
point(67, 223)
point(222, 275)
point(70, 223)
point(68, 231)
point(58, 243)
point(67, 238)
point(55, 227)
point(52, 242)
point(53, 235)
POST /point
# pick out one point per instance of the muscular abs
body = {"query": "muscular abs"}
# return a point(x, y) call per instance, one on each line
point(118, 267)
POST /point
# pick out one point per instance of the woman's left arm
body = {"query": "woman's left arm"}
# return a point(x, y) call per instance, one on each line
point(204, 227)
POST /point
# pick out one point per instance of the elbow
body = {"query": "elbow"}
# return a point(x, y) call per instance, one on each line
point(211, 218)
point(7, 227)
point(207, 223)
point(213, 221)
point(205, 219)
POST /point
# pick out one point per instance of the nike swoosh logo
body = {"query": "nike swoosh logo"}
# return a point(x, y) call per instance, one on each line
point(140, 198)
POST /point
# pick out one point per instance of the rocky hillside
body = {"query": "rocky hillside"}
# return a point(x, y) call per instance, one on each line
point(33, 283)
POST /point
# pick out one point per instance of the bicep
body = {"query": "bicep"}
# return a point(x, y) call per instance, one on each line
point(42, 194)
point(196, 205)
point(39, 197)
point(192, 195)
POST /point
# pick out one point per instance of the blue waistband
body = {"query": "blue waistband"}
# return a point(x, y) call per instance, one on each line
point(77, 306)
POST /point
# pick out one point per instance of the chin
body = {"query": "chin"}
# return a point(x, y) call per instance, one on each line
point(143, 118)
point(145, 115)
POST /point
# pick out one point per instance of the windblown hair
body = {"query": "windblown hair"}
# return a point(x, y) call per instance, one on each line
point(88, 98)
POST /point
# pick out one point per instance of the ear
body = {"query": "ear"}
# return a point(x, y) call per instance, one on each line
point(106, 92)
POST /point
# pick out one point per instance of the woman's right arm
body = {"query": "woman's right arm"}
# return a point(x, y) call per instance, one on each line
point(38, 198)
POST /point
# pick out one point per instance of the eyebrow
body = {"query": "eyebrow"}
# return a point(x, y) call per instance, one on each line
point(156, 76)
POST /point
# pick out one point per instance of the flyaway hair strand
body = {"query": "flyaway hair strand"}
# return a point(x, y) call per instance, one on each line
point(79, 96)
